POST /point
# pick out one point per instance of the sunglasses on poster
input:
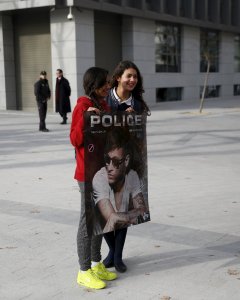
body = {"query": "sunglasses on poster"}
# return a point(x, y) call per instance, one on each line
point(115, 162)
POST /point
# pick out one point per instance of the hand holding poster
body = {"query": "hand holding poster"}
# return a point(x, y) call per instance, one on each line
point(115, 151)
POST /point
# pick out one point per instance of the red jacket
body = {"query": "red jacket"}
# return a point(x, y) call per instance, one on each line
point(76, 132)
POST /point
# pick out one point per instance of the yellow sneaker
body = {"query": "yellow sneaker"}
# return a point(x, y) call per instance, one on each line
point(89, 279)
point(101, 272)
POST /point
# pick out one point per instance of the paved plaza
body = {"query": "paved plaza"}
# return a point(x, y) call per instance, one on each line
point(189, 251)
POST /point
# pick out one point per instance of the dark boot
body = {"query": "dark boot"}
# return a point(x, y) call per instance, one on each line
point(120, 237)
point(64, 116)
point(64, 121)
point(110, 240)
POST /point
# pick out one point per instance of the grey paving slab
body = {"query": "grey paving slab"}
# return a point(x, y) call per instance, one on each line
point(189, 251)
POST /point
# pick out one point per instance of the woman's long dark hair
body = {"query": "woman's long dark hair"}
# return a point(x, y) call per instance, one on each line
point(138, 90)
point(94, 78)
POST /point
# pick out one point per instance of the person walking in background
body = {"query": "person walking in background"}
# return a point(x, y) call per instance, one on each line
point(125, 95)
point(43, 94)
point(62, 94)
point(92, 271)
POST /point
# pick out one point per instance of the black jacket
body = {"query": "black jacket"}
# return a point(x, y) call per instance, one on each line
point(63, 92)
point(42, 90)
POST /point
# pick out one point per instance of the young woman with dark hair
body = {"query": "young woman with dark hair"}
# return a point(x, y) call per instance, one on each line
point(125, 95)
point(92, 271)
point(126, 92)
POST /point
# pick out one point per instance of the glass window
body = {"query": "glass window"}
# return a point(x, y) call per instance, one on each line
point(212, 91)
point(224, 11)
point(169, 94)
point(236, 90)
point(200, 10)
point(152, 5)
point(237, 53)
point(167, 48)
point(185, 8)
point(209, 48)
point(212, 11)
point(116, 2)
point(235, 12)
point(170, 7)
point(133, 3)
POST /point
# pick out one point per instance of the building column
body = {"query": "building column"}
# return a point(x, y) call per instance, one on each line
point(138, 46)
point(72, 43)
point(190, 63)
point(7, 65)
point(226, 65)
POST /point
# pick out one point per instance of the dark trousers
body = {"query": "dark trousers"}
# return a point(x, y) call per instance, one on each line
point(42, 110)
point(115, 240)
point(88, 246)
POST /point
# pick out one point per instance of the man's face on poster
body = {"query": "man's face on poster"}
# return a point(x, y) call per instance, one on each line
point(116, 162)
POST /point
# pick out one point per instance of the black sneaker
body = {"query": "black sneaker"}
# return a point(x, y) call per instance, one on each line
point(44, 130)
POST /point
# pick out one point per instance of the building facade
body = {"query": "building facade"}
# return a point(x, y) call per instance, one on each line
point(171, 41)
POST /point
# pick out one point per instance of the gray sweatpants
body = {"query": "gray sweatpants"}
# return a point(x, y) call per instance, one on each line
point(88, 245)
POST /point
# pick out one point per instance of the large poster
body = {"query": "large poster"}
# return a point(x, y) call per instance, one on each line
point(116, 182)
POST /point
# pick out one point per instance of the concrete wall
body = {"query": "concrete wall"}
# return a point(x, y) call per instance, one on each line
point(18, 4)
point(73, 50)
point(226, 66)
point(85, 46)
point(138, 45)
point(190, 54)
point(189, 77)
point(108, 44)
point(72, 47)
point(7, 65)
point(3, 100)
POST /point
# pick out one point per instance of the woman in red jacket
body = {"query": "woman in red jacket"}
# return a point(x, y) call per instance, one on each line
point(92, 271)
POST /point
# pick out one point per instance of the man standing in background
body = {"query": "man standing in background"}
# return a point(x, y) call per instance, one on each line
point(62, 94)
point(43, 94)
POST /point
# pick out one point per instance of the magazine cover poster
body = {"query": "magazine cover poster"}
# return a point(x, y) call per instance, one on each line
point(116, 183)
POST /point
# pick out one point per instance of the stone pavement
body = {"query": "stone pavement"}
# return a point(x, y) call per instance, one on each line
point(189, 251)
